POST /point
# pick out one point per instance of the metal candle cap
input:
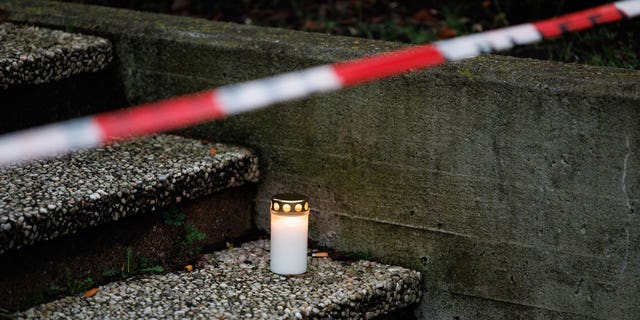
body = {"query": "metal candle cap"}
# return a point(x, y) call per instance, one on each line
point(289, 203)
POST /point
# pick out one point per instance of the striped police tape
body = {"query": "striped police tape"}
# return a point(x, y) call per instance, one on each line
point(62, 137)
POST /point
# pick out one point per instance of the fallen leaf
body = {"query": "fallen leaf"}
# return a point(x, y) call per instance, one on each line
point(213, 151)
point(313, 25)
point(180, 5)
point(446, 33)
point(425, 17)
point(91, 292)
point(349, 21)
point(377, 20)
point(217, 17)
point(188, 267)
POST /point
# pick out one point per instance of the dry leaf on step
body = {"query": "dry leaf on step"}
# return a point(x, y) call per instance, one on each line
point(91, 292)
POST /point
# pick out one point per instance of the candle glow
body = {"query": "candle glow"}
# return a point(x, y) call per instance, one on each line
point(289, 233)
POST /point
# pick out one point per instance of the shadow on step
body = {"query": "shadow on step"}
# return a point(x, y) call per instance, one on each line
point(26, 106)
point(73, 263)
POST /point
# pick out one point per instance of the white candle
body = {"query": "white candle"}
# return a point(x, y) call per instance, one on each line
point(289, 233)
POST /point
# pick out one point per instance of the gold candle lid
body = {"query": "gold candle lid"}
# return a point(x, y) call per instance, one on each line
point(289, 203)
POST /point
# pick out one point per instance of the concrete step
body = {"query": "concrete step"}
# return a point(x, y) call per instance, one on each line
point(34, 55)
point(44, 200)
point(237, 283)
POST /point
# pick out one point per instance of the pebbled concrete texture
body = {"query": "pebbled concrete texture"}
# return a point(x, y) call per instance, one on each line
point(43, 200)
point(32, 55)
point(511, 184)
point(237, 284)
point(49, 269)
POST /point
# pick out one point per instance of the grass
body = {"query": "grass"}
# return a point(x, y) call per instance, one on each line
point(189, 246)
point(609, 46)
point(133, 265)
point(71, 286)
point(4, 314)
point(421, 22)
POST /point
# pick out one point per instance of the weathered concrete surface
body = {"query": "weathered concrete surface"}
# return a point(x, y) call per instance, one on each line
point(28, 277)
point(51, 75)
point(33, 55)
point(512, 184)
point(42, 200)
point(238, 284)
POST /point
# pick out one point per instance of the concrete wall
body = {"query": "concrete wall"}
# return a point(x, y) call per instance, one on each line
point(512, 184)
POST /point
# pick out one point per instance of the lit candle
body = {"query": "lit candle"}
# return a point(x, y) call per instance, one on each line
point(289, 230)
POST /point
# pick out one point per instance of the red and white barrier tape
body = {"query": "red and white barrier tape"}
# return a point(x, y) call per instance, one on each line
point(183, 111)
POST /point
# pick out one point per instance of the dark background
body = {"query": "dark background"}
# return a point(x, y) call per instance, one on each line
point(417, 22)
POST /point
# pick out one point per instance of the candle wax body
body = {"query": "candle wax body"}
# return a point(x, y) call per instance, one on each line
point(289, 243)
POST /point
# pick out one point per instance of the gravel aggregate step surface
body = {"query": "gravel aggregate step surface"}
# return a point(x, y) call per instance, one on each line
point(43, 200)
point(236, 283)
point(33, 55)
